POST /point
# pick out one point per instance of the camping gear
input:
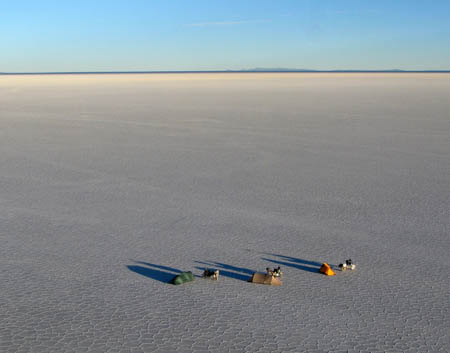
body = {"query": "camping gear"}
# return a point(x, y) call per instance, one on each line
point(211, 273)
point(326, 270)
point(183, 277)
point(349, 265)
point(276, 272)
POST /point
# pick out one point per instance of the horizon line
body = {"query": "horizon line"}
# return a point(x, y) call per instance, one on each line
point(256, 70)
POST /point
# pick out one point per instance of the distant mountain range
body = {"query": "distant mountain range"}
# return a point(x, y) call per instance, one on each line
point(275, 69)
point(282, 69)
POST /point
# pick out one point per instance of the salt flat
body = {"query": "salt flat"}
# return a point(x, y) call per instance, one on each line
point(110, 184)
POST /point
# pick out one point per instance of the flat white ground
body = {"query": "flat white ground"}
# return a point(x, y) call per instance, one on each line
point(111, 184)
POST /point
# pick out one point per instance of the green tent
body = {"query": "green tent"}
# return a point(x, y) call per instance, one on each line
point(183, 277)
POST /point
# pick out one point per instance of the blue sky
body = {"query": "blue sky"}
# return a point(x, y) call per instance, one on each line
point(214, 35)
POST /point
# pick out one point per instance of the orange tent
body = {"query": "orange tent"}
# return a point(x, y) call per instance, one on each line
point(326, 270)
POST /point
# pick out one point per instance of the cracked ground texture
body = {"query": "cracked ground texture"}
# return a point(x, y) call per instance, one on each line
point(112, 184)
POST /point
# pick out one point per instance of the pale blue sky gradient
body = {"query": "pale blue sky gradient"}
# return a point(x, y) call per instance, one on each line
point(38, 36)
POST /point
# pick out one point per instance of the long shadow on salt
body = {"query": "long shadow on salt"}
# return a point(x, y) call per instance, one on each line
point(157, 272)
point(297, 260)
point(239, 273)
point(300, 264)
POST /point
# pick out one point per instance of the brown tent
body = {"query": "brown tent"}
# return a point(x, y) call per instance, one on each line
point(263, 278)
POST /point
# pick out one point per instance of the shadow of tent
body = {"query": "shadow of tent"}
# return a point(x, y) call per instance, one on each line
point(297, 266)
point(160, 273)
point(228, 270)
point(157, 275)
point(297, 260)
point(161, 267)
